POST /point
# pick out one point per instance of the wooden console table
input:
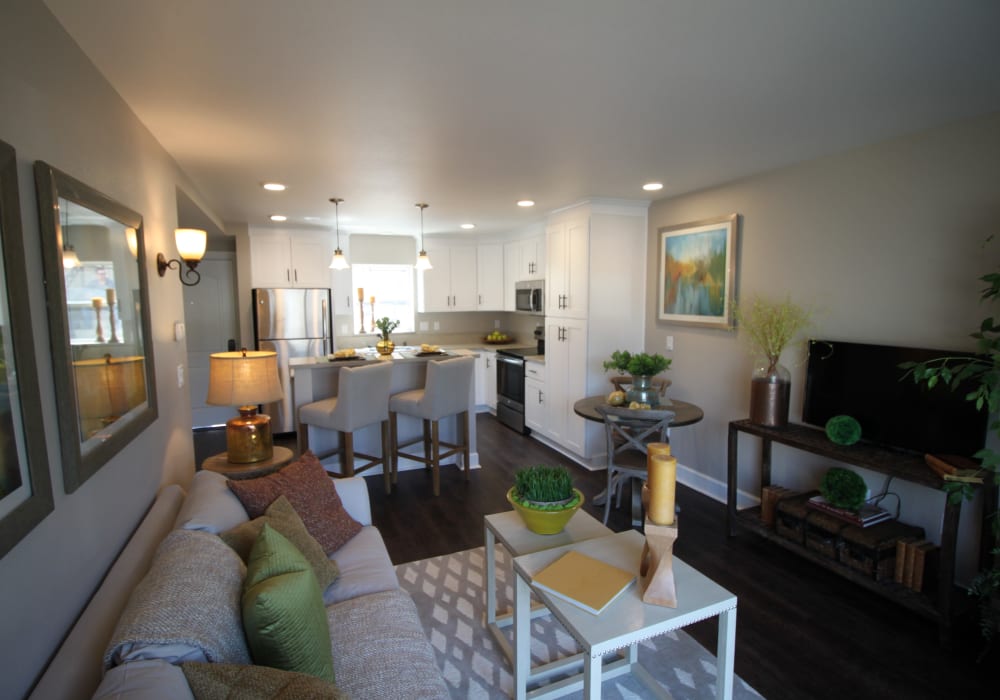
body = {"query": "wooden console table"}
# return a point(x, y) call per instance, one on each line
point(908, 466)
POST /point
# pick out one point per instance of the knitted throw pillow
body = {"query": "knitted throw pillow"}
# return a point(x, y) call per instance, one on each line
point(283, 614)
point(312, 494)
point(282, 517)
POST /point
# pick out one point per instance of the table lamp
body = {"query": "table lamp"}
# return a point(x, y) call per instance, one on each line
point(245, 379)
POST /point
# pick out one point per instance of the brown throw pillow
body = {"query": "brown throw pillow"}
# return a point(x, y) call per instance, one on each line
point(312, 494)
point(282, 517)
point(225, 681)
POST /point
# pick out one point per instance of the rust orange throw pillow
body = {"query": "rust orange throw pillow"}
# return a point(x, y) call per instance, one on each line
point(312, 494)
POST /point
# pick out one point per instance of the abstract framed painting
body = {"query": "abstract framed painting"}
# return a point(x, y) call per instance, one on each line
point(697, 272)
point(25, 485)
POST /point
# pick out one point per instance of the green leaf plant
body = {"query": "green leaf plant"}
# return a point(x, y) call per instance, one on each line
point(979, 377)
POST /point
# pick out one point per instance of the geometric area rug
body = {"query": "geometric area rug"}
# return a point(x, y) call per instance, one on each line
point(450, 595)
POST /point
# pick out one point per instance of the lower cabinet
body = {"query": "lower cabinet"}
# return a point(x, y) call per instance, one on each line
point(566, 381)
point(486, 379)
point(535, 409)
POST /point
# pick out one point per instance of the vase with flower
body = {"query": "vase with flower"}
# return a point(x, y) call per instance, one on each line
point(385, 346)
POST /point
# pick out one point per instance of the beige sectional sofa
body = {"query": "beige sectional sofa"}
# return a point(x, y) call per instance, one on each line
point(117, 649)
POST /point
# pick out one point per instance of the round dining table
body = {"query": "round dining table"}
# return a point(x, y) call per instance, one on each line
point(684, 414)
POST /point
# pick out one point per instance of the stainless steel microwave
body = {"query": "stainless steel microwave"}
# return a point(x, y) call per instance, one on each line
point(529, 296)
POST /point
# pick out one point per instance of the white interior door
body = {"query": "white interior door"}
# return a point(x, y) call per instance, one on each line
point(210, 317)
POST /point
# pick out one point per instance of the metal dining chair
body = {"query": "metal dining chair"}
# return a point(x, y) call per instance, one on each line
point(627, 431)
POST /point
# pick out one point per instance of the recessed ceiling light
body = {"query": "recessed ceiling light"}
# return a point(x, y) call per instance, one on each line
point(273, 187)
point(526, 203)
point(653, 186)
point(468, 226)
point(278, 217)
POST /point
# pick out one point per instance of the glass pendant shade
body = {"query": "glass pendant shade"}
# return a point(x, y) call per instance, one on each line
point(339, 260)
point(70, 258)
point(423, 260)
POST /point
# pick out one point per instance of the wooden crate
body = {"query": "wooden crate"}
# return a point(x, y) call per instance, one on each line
point(872, 550)
point(822, 532)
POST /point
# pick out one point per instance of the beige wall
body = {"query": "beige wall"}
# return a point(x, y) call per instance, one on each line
point(885, 243)
point(58, 108)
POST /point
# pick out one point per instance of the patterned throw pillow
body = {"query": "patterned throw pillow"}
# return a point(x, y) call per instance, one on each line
point(226, 681)
point(283, 614)
point(312, 494)
point(282, 517)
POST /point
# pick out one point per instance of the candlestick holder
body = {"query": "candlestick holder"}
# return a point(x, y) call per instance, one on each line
point(97, 303)
point(373, 317)
point(656, 566)
point(361, 310)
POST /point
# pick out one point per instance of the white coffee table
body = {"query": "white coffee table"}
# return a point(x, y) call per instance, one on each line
point(623, 624)
point(509, 530)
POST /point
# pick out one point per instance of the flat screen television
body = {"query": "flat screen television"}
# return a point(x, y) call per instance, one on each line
point(864, 381)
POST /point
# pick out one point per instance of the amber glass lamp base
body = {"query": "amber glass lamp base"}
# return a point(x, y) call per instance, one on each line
point(248, 437)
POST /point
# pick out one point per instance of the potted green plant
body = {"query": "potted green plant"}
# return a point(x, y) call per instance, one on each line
point(643, 367)
point(545, 498)
point(385, 327)
point(770, 326)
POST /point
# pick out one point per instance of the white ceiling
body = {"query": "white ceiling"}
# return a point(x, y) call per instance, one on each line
point(471, 105)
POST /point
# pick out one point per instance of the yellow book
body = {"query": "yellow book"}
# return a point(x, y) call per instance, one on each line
point(584, 581)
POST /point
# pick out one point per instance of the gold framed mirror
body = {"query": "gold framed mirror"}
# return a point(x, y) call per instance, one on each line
point(102, 357)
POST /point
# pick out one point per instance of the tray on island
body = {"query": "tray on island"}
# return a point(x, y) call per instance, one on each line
point(431, 353)
point(345, 359)
point(506, 341)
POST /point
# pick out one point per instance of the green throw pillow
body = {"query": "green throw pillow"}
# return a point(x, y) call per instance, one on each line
point(283, 614)
point(282, 517)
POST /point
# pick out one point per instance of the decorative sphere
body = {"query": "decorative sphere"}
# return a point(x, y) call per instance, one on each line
point(843, 430)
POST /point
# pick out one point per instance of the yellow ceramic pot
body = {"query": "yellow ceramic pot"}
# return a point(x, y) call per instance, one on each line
point(545, 522)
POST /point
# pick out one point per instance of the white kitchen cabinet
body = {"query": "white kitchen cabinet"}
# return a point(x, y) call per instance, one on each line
point(568, 262)
point(489, 277)
point(535, 406)
point(451, 284)
point(344, 298)
point(285, 258)
point(490, 378)
point(565, 382)
point(522, 260)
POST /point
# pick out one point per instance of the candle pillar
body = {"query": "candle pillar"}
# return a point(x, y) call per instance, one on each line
point(662, 488)
point(361, 307)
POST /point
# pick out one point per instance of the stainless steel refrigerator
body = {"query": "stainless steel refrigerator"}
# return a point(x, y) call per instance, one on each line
point(293, 323)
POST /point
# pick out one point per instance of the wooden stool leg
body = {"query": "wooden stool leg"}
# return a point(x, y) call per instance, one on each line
point(463, 438)
point(427, 443)
point(347, 454)
point(386, 457)
point(435, 459)
point(394, 448)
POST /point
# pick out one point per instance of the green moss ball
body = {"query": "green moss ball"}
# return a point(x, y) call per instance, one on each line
point(843, 430)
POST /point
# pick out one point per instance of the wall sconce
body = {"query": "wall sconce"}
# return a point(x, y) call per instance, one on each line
point(338, 261)
point(423, 261)
point(191, 246)
point(245, 379)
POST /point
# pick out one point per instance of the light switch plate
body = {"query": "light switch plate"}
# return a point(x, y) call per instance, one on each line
point(180, 376)
point(178, 331)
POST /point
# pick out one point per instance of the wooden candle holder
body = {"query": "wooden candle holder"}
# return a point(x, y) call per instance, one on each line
point(656, 568)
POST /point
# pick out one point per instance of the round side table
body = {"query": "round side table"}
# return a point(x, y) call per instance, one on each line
point(220, 463)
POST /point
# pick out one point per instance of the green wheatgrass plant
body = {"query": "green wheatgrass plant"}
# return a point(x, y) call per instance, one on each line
point(771, 326)
point(544, 484)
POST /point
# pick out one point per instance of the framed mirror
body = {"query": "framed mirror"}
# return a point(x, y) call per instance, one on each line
point(102, 355)
point(25, 486)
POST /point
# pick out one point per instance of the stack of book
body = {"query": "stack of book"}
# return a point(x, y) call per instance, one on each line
point(584, 581)
point(863, 517)
point(915, 562)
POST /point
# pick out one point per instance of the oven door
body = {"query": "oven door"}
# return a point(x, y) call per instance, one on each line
point(510, 378)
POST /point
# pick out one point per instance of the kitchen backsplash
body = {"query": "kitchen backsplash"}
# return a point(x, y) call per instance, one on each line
point(453, 329)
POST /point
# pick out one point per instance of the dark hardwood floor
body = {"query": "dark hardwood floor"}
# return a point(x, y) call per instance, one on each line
point(802, 632)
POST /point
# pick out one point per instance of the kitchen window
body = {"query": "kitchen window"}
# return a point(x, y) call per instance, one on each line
point(394, 293)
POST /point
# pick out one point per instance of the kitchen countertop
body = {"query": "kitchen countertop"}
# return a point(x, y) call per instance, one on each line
point(403, 354)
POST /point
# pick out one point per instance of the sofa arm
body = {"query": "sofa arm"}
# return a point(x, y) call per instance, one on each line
point(353, 491)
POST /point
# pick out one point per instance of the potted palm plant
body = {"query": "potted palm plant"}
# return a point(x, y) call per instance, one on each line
point(385, 327)
point(544, 497)
point(643, 367)
point(770, 327)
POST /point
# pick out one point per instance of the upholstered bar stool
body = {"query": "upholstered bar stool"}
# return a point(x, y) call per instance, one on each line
point(446, 393)
point(362, 400)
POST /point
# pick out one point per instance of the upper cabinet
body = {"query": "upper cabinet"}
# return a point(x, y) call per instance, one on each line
point(451, 284)
point(522, 260)
point(281, 258)
point(568, 260)
point(490, 277)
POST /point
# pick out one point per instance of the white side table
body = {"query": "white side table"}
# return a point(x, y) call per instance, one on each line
point(624, 623)
point(509, 529)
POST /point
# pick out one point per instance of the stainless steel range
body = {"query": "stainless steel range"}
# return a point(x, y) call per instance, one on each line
point(510, 387)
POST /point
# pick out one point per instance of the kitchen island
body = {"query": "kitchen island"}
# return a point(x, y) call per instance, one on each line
point(315, 378)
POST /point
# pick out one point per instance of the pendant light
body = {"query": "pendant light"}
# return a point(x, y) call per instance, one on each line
point(69, 257)
point(338, 261)
point(423, 262)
